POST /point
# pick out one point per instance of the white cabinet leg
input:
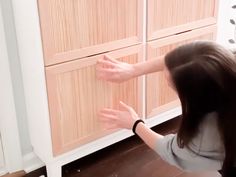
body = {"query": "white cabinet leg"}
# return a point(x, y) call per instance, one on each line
point(54, 170)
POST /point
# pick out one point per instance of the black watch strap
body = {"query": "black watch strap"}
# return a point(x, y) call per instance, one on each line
point(135, 125)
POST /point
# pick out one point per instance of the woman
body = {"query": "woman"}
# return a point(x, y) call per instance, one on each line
point(203, 74)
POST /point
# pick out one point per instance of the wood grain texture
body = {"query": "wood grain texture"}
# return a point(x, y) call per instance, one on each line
point(167, 17)
point(16, 174)
point(76, 96)
point(75, 29)
point(160, 96)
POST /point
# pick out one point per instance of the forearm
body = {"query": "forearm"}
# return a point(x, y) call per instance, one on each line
point(147, 135)
point(149, 66)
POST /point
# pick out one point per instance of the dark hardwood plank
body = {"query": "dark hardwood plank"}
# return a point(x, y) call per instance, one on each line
point(201, 174)
point(37, 173)
point(17, 174)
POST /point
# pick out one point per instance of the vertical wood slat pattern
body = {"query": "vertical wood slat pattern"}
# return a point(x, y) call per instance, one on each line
point(160, 96)
point(76, 96)
point(75, 29)
point(167, 17)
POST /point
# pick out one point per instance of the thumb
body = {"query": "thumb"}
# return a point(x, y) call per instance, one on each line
point(108, 58)
point(125, 106)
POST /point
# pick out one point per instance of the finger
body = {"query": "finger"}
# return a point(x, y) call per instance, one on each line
point(108, 58)
point(102, 72)
point(104, 116)
point(106, 78)
point(101, 75)
point(124, 106)
point(105, 70)
point(130, 109)
point(111, 126)
point(106, 121)
point(106, 63)
point(109, 111)
point(106, 74)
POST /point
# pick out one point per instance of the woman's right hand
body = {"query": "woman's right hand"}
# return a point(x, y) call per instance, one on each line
point(113, 119)
point(113, 70)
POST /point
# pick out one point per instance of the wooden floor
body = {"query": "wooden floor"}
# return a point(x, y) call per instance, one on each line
point(17, 174)
point(129, 158)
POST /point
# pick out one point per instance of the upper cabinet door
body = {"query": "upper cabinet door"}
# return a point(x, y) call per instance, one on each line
point(75, 97)
point(160, 96)
point(72, 29)
point(167, 17)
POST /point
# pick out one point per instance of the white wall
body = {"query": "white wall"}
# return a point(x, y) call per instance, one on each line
point(8, 119)
point(15, 69)
point(2, 163)
point(226, 30)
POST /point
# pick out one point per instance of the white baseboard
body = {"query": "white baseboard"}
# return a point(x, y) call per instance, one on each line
point(3, 171)
point(163, 117)
point(31, 162)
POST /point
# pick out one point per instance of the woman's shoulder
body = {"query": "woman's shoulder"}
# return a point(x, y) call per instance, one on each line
point(208, 137)
point(210, 122)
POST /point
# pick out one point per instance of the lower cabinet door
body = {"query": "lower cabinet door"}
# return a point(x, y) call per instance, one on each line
point(159, 96)
point(75, 96)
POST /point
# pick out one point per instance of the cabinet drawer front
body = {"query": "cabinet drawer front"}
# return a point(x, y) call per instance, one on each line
point(167, 17)
point(75, 97)
point(76, 29)
point(161, 97)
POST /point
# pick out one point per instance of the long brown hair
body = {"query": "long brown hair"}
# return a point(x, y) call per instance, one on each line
point(204, 76)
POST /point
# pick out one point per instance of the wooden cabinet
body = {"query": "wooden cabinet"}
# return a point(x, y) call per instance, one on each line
point(74, 33)
point(159, 96)
point(62, 92)
point(168, 17)
point(76, 96)
point(75, 29)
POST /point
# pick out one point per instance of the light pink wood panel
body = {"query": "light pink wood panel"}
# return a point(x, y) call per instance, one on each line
point(75, 97)
point(159, 96)
point(75, 29)
point(167, 17)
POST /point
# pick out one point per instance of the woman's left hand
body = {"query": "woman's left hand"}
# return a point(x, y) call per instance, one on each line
point(113, 119)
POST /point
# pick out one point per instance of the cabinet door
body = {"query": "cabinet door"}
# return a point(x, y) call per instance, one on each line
point(161, 97)
point(167, 17)
point(75, 29)
point(76, 96)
